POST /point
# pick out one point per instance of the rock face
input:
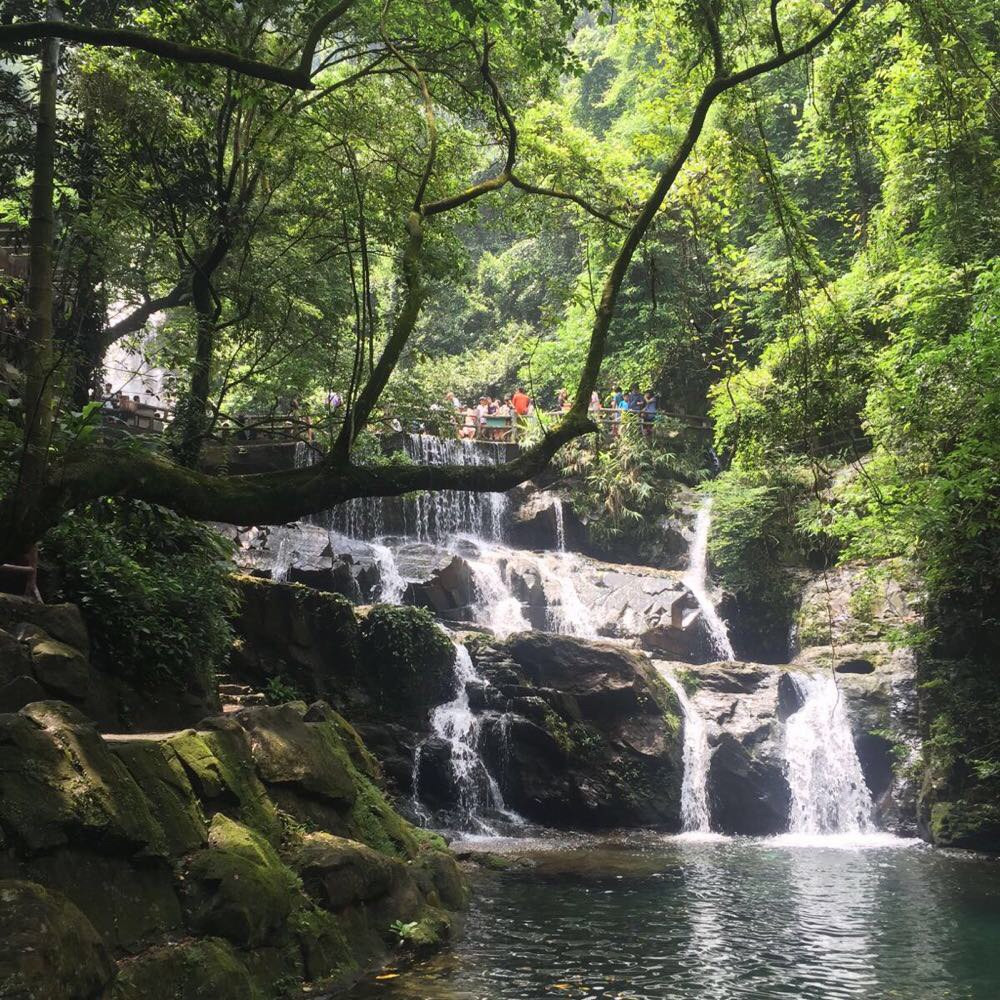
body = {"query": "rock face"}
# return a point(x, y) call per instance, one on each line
point(45, 653)
point(185, 857)
point(580, 734)
point(387, 664)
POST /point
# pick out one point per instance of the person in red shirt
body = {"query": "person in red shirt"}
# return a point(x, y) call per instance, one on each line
point(520, 401)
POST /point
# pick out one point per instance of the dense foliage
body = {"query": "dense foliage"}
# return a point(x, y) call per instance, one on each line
point(155, 589)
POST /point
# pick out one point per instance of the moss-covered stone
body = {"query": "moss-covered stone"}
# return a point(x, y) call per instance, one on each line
point(59, 783)
point(157, 770)
point(238, 888)
point(48, 948)
point(338, 873)
point(408, 663)
point(208, 969)
point(220, 766)
point(289, 751)
point(130, 900)
point(60, 669)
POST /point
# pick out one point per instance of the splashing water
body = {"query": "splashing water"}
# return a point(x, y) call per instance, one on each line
point(696, 580)
point(392, 583)
point(829, 794)
point(456, 724)
point(569, 615)
point(695, 817)
point(282, 559)
point(496, 607)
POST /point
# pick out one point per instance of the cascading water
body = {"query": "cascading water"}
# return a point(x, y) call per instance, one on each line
point(828, 790)
point(560, 524)
point(434, 515)
point(456, 724)
point(696, 580)
point(569, 615)
point(392, 584)
point(496, 607)
point(695, 817)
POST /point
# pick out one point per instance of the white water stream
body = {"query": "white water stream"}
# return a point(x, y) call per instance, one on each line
point(696, 580)
point(456, 724)
point(695, 817)
point(829, 794)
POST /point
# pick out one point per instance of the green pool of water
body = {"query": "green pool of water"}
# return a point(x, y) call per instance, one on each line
point(644, 918)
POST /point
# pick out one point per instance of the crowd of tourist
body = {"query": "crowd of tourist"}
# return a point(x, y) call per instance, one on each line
point(496, 419)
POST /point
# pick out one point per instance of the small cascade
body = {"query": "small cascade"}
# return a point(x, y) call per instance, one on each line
point(496, 607)
point(829, 794)
point(392, 583)
point(432, 515)
point(456, 724)
point(695, 817)
point(560, 524)
point(282, 559)
point(696, 580)
point(569, 616)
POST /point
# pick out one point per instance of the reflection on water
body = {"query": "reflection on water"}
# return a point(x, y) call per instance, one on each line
point(683, 919)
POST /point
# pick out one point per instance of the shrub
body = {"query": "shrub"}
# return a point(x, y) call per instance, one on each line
point(155, 588)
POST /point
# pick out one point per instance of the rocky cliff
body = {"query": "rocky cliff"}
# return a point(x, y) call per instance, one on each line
point(233, 860)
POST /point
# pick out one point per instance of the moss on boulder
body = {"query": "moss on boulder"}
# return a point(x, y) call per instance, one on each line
point(221, 769)
point(48, 950)
point(158, 771)
point(59, 782)
point(238, 888)
point(208, 969)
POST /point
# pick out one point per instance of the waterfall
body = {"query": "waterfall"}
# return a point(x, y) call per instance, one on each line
point(695, 816)
point(570, 616)
point(560, 525)
point(392, 584)
point(282, 559)
point(828, 790)
point(433, 515)
point(496, 607)
point(696, 580)
point(456, 724)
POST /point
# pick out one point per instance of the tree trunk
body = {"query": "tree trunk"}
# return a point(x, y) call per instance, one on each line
point(191, 424)
point(39, 355)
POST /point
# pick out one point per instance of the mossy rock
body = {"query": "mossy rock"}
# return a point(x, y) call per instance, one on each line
point(360, 755)
point(221, 769)
point(60, 783)
point(407, 662)
point(339, 873)
point(238, 888)
point(324, 947)
point(48, 949)
point(159, 773)
point(441, 879)
point(290, 751)
point(208, 969)
point(130, 900)
point(60, 669)
point(969, 825)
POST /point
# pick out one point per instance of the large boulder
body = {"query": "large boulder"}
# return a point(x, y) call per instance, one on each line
point(580, 734)
point(747, 794)
point(48, 949)
point(237, 888)
point(59, 783)
point(205, 969)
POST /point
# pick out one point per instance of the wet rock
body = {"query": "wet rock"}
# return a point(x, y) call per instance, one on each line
point(534, 521)
point(790, 697)
point(435, 778)
point(590, 737)
point(746, 794)
point(48, 949)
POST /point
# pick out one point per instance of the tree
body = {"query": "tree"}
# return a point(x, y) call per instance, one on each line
point(723, 43)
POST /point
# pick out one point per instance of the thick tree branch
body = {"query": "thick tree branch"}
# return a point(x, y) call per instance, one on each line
point(13, 37)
